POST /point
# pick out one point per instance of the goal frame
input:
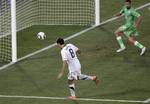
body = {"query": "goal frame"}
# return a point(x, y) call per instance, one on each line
point(14, 27)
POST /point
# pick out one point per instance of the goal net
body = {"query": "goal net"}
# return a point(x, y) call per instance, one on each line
point(5, 31)
point(42, 12)
point(55, 12)
point(68, 12)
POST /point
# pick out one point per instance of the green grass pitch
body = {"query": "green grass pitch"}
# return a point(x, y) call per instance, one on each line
point(123, 76)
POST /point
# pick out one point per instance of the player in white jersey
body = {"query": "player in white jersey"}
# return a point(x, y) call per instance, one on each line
point(69, 56)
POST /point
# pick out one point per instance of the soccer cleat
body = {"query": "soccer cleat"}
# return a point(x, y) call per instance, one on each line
point(95, 80)
point(120, 50)
point(143, 51)
point(71, 97)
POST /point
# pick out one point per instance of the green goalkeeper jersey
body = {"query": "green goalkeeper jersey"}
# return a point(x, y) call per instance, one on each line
point(130, 15)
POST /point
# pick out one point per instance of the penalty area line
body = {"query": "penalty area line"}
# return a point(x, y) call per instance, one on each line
point(65, 98)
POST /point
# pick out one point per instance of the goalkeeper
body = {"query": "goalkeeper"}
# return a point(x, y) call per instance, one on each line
point(129, 28)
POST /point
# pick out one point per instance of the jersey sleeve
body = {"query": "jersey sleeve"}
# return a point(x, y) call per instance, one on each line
point(74, 47)
point(63, 55)
point(122, 11)
point(135, 13)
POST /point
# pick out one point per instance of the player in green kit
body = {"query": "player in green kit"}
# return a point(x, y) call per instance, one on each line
point(129, 29)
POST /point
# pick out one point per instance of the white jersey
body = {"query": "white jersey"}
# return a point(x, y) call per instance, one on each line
point(68, 53)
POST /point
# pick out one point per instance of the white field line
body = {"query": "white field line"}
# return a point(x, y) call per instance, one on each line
point(70, 37)
point(64, 98)
point(147, 101)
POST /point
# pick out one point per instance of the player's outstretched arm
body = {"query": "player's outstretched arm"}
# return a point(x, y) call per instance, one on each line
point(62, 70)
point(139, 19)
point(117, 14)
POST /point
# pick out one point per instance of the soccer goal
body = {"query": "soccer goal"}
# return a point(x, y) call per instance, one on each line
point(16, 15)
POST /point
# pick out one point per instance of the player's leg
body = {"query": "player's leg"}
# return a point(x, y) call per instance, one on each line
point(84, 77)
point(137, 44)
point(87, 77)
point(71, 84)
point(118, 34)
point(130, 34)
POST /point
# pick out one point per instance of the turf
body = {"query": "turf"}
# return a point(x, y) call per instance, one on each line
point(123, 76)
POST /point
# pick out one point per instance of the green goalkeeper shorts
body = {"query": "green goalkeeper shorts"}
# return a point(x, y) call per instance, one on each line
point(129, 31)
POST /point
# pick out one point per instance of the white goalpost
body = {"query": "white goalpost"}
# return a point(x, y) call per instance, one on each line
point(97, 12)
point(13, 31)
point(16, 15)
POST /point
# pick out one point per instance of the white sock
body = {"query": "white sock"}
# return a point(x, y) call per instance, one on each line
point(84, 77)
point(120, 41)
point(72, 89)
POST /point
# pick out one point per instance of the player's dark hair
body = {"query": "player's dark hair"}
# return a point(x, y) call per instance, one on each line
point(128, 1)
point(60, 41)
